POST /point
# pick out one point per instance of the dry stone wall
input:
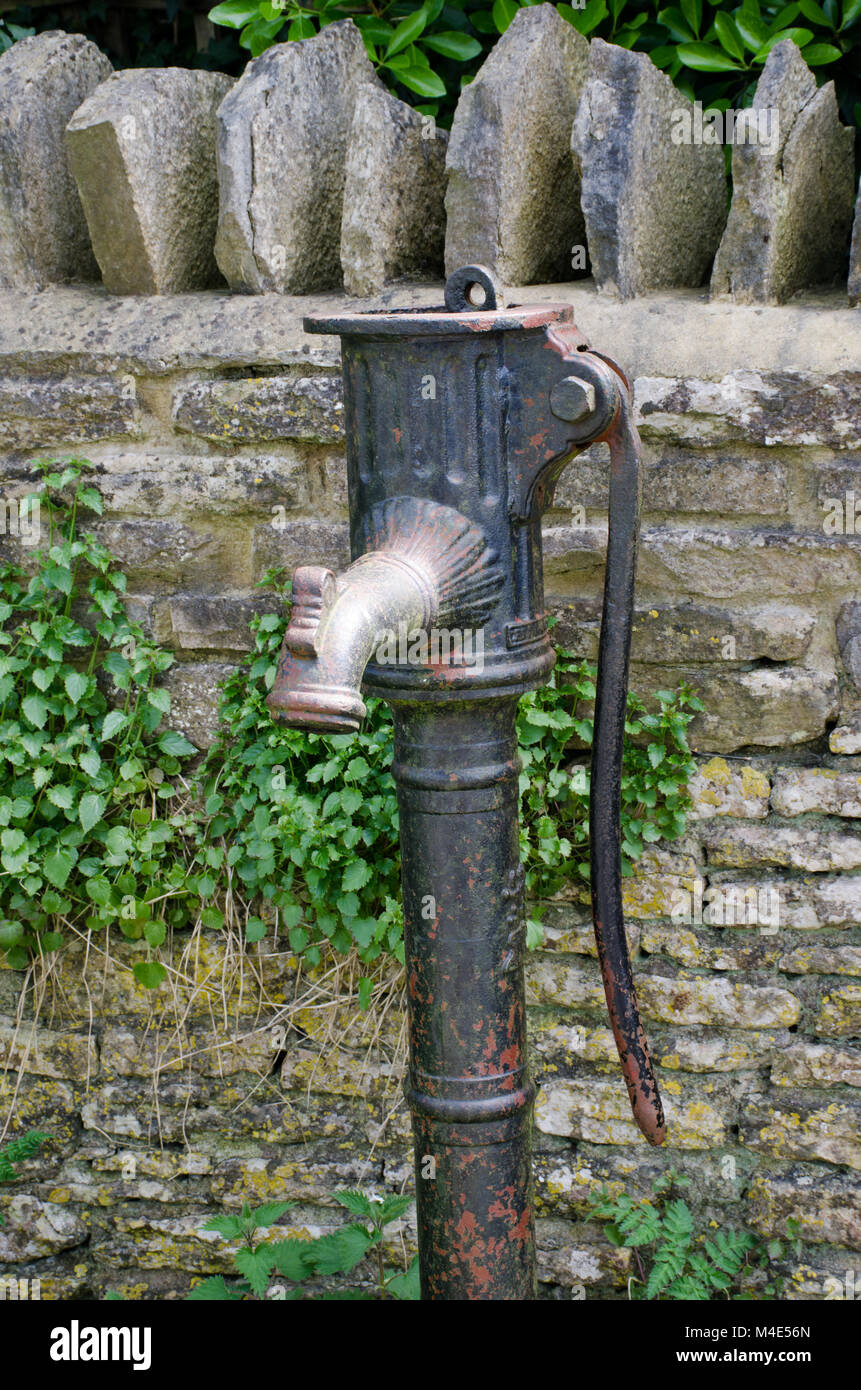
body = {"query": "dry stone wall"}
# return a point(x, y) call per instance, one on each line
point(306, 174)
point(215, 431)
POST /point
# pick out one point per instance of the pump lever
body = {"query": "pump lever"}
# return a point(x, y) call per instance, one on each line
point(606, 781)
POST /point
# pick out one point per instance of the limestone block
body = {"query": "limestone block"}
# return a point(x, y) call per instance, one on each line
point(142, 149)
point(393, 223)
point(791, 211)
point(282, 144)
point(654, 207)
point(43, 233)
point(513, 196)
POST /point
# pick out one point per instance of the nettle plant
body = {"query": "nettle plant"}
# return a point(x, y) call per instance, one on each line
point(306, 823)
point(675, 1261)
point(104, 825)
point(83, 780)
point(554, 795)
point(263, 1265)
point(311, 821)
point(713, 52)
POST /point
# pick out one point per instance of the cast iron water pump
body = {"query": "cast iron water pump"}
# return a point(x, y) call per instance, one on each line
point(458, 422)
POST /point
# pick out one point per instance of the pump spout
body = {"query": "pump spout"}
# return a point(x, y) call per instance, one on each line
point(336, 625)
point(425, 563)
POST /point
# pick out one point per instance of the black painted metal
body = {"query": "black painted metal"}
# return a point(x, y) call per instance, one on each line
point(458, 422)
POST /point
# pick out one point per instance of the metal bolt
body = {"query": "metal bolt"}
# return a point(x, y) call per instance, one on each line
point(572, 399)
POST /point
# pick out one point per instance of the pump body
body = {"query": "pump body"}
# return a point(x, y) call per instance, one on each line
point(458, 423)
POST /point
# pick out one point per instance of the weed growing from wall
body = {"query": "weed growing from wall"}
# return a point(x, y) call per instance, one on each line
point(285, 829)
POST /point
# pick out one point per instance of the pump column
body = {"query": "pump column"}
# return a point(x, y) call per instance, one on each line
point(456, 767)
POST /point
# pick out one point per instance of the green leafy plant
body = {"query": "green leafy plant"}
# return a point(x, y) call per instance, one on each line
point(83, 777)
point(286, 827)
point(674, 1261)
point(713, 53)
point(11, 33)
point(310, 822)
point(18, 1150)
point(404, 41)
point(306, 823)
point(657, 766)
point(259, 1261)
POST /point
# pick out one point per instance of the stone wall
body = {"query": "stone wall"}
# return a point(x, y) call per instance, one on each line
point(214, 429)
point(307, 174)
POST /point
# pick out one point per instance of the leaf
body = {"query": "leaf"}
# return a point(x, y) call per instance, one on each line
point(42, 676)
point(656, 754)
point(155, 933)
point(798, 36)
point(290, 1258)
point(704, 57)
point(175, 744)
point(693, 13)
point(816, 55)
point(356, 1202)
point(91, 497)
point(256, 1266)
point(534, 934)
point(113, 721)
point(453, 45)
point(406, 1287)
point(751, 29)
point(230, 1227)
point(341, 1251)
point(407, 32)
point(58, 577)
point(729, 36)
point(76, 684)
point(90, 762)
point(213, 1290)
point(301, 28)
point(503, 13)
point(420, 80)
point(851, 13)
point(10, 933)
point(234, 14)
point(35, 710)
point(63, 797)
point(365, 991)
point(159, 698)
point(394, 1207)
point(590, 17)
point(255, 930)
point(58, 865)
point(814, 12)
point(99, 890)
point(149, 973)
point(356, 875)
point(270, 1212)
point(118, 841)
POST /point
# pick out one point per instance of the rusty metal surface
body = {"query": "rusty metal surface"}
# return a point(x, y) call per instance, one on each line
point(458, 423)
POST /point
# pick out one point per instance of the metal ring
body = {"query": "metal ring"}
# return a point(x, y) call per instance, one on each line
point(460, 282)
